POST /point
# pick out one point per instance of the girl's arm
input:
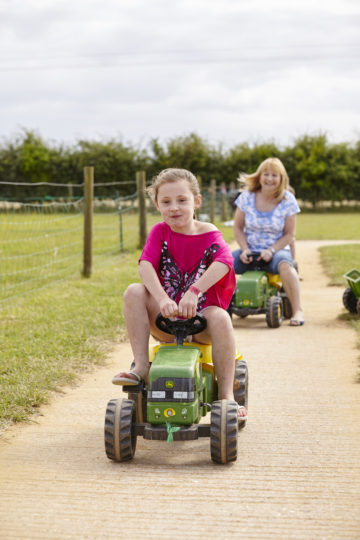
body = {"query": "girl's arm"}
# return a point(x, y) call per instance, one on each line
point(149, 277)
point(188, 303)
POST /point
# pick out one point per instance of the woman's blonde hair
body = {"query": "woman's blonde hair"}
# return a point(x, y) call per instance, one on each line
point(252, 181)
point(173, 175)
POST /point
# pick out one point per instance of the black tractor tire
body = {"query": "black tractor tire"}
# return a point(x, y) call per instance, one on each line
point(349, 300)
point(358, 306)
point(224, 431)
point(241, 387)
point(287, 309)
point(119, 432)
point(274, 311)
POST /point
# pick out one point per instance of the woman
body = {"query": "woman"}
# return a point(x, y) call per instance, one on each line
point(265, 222)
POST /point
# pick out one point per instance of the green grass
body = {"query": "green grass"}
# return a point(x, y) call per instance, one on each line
point(337, 261)
point(50, 336)
point(310, 226)
point(330, 226)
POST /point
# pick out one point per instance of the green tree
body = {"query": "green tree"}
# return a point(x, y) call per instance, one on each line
point(192, 153)
point(310, 156)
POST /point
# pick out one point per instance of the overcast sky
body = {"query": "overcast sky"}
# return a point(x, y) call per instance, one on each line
point(231, 71)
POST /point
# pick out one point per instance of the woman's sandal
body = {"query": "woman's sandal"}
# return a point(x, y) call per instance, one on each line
point(127, 378)
point(296, 322)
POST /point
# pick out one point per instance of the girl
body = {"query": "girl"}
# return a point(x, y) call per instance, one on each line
point(265, 220)
point(185, 267)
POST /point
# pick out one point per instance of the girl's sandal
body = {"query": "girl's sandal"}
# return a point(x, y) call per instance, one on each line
point(240, 416)
point(127, 378)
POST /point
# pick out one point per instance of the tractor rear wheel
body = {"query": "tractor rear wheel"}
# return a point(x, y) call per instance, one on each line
point(119, 430)
point(241, 385)
point(274, 311)
point(349, 300)
point(224, 431)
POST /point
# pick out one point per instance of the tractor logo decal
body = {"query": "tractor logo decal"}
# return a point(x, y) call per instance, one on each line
point(169, 412)
point(169, 384)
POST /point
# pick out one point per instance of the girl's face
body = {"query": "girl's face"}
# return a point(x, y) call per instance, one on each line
point(176, 204)
point(269, 179)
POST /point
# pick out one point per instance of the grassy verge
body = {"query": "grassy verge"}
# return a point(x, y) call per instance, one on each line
point(51, 336)
point(318, 227)
point(337, 260)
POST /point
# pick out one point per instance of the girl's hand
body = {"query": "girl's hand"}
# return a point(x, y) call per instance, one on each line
point(187, 305)
point(168, 308)
point(245, 256)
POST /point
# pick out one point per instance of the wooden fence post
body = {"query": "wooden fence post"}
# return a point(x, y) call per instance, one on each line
point(223, 202)
point(141, 185)
point(88, 219)
point(212, 200)
point(198, 210)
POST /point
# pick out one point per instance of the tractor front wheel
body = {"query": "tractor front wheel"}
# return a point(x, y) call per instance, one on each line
point(119, 432)
point(274, 311)
point(224, 431)
point(241, 387)
point(349, 300)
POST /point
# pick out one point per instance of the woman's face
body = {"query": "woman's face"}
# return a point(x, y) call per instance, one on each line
point(270, 179)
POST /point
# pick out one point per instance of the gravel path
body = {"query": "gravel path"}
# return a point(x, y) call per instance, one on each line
point(297, 475)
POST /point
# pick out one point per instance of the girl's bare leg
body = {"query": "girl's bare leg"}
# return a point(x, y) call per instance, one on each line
point(220, 334)
point(140, 311)
point(138, 326)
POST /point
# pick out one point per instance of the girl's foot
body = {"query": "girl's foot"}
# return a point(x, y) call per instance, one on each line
point(242, 412)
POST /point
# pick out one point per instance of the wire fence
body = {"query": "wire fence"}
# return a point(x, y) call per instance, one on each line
point(43, 242)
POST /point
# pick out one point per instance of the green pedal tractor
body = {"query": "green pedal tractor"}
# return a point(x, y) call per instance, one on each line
point(181, 390)
point(351, 296)
point(258, 292)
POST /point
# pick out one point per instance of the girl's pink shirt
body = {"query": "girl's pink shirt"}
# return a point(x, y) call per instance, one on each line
point(181, 259)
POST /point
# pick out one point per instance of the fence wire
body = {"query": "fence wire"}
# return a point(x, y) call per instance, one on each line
point(42, 242)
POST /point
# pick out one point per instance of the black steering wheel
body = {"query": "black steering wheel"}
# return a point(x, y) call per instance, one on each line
point(180, 328)
point(255, 264)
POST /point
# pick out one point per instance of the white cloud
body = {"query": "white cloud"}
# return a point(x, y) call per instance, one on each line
point(229, 70)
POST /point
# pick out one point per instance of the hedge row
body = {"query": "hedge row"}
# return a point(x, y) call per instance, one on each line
point(318, 170)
